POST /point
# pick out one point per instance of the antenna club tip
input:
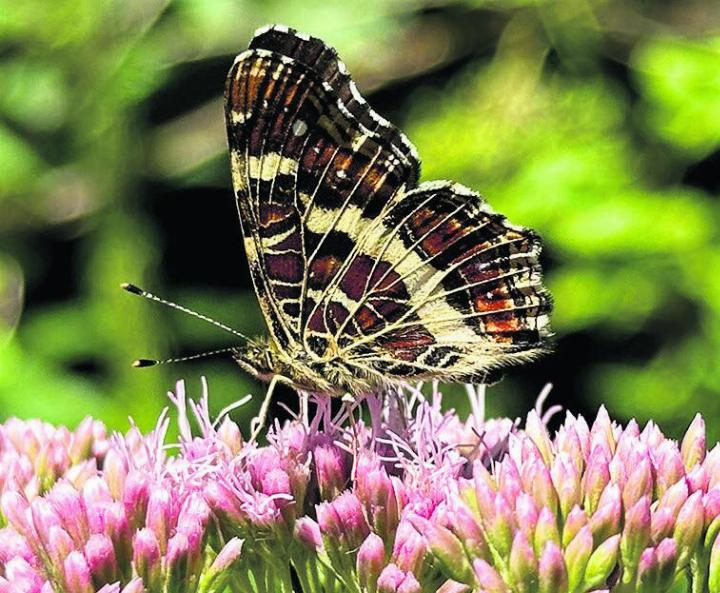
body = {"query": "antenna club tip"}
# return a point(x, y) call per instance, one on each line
point(131, 288)
point(144, 362)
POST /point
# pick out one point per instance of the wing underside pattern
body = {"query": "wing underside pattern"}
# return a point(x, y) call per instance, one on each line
point(305, 170)
point(351, 259)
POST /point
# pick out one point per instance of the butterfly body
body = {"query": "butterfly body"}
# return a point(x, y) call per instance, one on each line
point(299, 369)
point(366, 278)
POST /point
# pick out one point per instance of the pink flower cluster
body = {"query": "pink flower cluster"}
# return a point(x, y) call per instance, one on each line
point(416, 500)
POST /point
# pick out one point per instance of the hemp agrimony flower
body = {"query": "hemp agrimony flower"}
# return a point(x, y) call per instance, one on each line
point(415, 500)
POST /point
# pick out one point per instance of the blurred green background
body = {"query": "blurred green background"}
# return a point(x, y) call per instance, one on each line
point(595, 122)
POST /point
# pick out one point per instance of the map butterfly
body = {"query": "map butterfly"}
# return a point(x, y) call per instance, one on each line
point(366, 277)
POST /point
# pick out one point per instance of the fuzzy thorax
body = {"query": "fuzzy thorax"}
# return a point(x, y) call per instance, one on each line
point(264, 359)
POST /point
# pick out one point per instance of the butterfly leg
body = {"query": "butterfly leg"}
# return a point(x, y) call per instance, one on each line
point(258, 423)
point(351, 404)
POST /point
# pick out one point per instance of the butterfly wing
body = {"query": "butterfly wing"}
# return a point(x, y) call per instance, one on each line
point(448, 290)
point(352, 260)
point(311, 163)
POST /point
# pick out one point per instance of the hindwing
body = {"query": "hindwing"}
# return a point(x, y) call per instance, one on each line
point(450, 290)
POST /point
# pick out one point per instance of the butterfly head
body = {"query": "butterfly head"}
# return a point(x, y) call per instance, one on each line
point(263, 359)
point(256, 359)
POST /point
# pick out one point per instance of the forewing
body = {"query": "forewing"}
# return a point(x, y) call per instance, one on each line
point(311, 163)
point(448, 290)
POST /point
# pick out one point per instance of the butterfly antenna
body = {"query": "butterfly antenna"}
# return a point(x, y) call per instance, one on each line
point(146, 362)
point(131, 288)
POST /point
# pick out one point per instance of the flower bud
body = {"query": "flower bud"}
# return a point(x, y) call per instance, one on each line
point(566, 479)
point(693, 443)
point(635, 534)
point(553, 572)
point(712, 466)
point(597, 477)
point(601, 563)
point(523, 564)
point(409, 585)
point(662, 523)
point(602, 433)
point(135, 498)
point(43, 517)
point(577, 554)
point(639, 483)
point(446, 548)
point(219, 572)
point(114, 472)
point(147, 558)
point(13, 545)
point(370, 561)
point(488, 578)
point(230, 553)
point(526, 513)
point(711, 505)
point(390, 579)
point(58, 544)
point(160, 515)
point(688, 528)
point(376, 491)
point(648, 572)
point(698, 479)
point(468, 531)
point(15, 509)
point(116, 527)
point(350, 511)
point(667, 554)
point(409, 549)
point(536, 430)
point(330, 470)
point(95, 491)
point(178, 562)
point(546, 530)
point(542, 488)
point(606, 519)
point(501, 526)
point(100, 556)
point(307, 532)
point(77, 574)
point(276, 483)
point(68, 504)
point(669, 467)
point(575, 521)
point(229, 434)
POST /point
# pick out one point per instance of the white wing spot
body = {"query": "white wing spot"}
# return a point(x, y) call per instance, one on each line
point(299, 127)
point(341, 174)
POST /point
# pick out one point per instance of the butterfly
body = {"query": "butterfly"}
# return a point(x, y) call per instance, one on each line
point(366, 277)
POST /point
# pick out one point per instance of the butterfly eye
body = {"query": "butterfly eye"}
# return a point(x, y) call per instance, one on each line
point(299, 127)
point(318, 344)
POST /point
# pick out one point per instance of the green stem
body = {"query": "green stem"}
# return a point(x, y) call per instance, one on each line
point(698, 573)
